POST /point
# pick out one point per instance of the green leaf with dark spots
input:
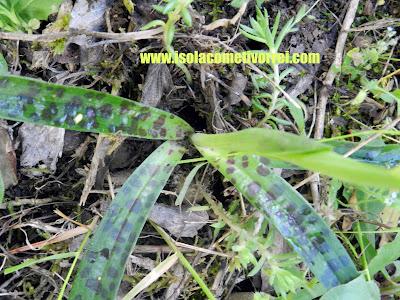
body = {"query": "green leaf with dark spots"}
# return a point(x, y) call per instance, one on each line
point(34, 101)
point(300, 151)
point(290, 213)
point(386, 155)
point(103, 263)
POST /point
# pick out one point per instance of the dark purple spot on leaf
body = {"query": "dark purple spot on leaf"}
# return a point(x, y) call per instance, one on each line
point(90, 112)
point(112, 272)
point(291, 208)
point(105, 252)
point(262, 170)
point(92, 284)
point(121, 239)
point(230, 170)
point(159, 122)
point(253, 188)
point(264, 161)
point(129, 226)
point(180, 133)
point(106, 110)
point(112, 286)
point(26, 99)
point(163, 132)
point(144, 116)
point(84, 273)
point(305, 210)
point(91, 256)
point(137, 207)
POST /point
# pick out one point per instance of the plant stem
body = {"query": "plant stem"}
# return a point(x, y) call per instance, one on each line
point(184, 261)
point(275, 94)
point(362, 247)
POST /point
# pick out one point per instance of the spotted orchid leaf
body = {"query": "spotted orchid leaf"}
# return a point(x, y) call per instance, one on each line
point(103, 263)
point(300, 151)
point(290, 213)
point(34, 101)
point(384, 155)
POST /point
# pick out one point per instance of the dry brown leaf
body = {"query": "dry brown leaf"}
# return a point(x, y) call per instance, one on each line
point(62, 236)
point(389, 216)
point(158, 82)
point(41, 144)
point(179, 222)
point(238, 85)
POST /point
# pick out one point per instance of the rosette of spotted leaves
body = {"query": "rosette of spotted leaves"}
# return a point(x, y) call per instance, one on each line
point(34, 101)
point(103, 263)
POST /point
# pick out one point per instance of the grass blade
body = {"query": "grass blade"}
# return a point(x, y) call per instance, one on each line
point(156, 273)
point(291, 214)
point(75, 261)
point(34, 101)
point(31, 262)
point(102, 266)
point(187, 183)
point(184, 262)
point(300, 151)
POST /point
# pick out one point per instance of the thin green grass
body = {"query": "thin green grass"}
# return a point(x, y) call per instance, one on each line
point(32, 262)
point(186, 264)
point(71, 269)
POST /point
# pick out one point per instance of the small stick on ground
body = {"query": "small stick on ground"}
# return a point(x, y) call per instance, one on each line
point(327, 84)
point(337, 62)
point(51, 37)
point(20, 202)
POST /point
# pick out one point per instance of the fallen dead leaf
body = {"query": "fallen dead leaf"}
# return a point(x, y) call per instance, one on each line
point(158, 82)
point(41, 144)
point(179, 222)
point(62, 236)
point(238, 85)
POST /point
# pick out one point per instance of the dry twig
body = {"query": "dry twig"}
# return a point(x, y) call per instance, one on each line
point(115, 37)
